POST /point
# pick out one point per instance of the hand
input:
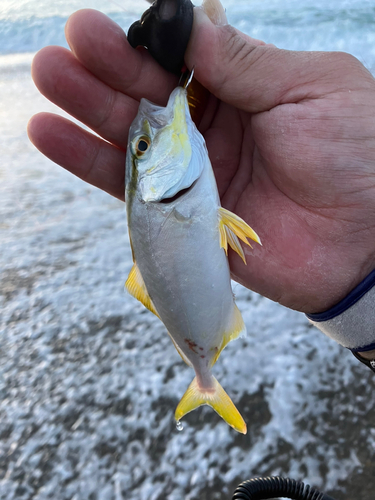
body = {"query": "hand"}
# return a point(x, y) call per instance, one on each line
point(291, 136)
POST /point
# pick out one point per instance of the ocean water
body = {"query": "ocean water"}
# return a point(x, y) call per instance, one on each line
point(89, 380)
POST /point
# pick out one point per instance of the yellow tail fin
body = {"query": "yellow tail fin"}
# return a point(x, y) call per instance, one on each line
point(218, 399)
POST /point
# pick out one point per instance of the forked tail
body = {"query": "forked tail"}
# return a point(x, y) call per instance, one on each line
point(217, 398)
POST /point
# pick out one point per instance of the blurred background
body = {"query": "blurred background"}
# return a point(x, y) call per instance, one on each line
point(89, 379)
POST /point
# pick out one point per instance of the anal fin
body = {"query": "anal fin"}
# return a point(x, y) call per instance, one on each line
point(137, 288)
point(236, 329)
point(232, 229)
point(217, 398)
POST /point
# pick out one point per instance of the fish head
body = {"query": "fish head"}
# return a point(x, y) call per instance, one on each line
point(166, 152)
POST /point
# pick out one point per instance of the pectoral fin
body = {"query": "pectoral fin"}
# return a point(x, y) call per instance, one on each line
point(137, 288)
point(232, 229)
point(217, 398)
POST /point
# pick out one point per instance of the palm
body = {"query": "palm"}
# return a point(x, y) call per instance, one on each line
point(309, 222)
point(271, 167)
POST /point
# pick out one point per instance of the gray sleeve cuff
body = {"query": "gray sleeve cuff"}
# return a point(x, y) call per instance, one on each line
point(351, 322)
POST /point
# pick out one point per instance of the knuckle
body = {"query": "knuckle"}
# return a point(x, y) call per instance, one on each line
point(235, 52)
point(350, 64)
point(107, 111)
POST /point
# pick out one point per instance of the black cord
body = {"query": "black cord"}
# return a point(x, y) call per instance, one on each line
point(273, 487)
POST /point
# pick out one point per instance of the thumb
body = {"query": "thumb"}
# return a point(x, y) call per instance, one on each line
point(256, 77)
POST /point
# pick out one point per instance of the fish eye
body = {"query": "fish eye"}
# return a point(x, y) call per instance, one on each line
point(142, 145)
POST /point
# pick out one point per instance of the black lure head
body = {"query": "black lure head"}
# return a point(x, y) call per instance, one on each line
point(164, 29)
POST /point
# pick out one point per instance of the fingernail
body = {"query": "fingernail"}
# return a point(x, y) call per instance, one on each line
point(200, 19)
point(215, 11)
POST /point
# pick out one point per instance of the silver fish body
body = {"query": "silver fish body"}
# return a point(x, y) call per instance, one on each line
point(177, 227)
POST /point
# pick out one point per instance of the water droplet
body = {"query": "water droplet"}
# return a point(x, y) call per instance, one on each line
point(179, 426)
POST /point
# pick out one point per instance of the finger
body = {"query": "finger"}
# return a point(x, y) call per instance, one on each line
point(101, 46)
point(64, 81)
point(257, 77)
point(85, 155)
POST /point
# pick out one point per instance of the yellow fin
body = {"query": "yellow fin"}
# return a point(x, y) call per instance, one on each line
point(231, 228)
point(218, 399)
point(136, 287)
point(237, 328)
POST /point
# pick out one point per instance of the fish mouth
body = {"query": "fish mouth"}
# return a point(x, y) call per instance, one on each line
point(178, 195)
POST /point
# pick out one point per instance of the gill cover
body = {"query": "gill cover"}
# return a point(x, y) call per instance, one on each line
point(175, 153)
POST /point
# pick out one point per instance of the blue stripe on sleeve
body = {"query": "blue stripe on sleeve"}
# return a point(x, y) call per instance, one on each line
point(370, 347)
point(353, 297)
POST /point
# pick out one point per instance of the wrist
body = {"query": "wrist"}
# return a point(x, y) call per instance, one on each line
point(336, 291)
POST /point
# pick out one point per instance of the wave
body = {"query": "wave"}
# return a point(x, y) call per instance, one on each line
point(30, 35)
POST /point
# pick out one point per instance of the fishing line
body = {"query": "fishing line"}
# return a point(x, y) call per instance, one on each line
point(189, 79)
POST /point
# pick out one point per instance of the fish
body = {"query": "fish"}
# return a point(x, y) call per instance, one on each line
point(179, 236)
